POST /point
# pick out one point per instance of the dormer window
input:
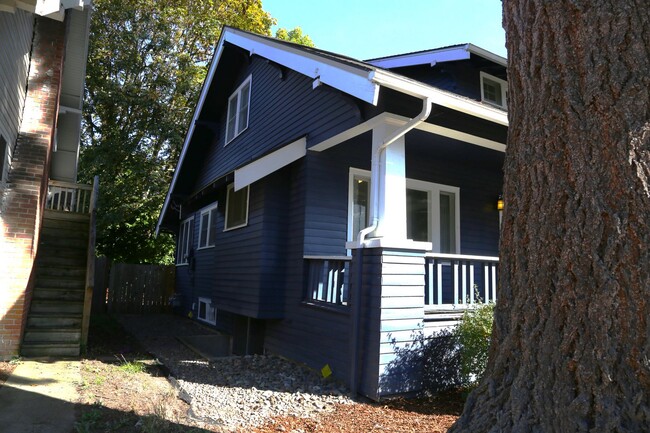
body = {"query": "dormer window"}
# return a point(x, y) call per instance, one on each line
point(494, 91)
point(238, 107)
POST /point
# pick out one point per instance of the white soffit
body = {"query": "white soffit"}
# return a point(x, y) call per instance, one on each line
point(431, 57)
point(270, 163)
point(347, 78)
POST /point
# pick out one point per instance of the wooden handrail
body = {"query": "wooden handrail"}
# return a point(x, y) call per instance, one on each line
point(90, 263)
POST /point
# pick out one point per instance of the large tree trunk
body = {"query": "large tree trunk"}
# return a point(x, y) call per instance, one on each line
point(571, 349)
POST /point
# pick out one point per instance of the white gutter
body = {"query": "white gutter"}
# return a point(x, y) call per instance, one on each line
point(374, 173)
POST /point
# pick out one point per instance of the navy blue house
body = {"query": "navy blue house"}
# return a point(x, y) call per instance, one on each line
point(330, 210)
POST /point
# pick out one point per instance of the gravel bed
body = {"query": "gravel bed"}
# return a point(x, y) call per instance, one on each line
point(234, 392)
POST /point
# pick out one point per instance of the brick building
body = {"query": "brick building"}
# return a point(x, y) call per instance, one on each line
point(43, 50)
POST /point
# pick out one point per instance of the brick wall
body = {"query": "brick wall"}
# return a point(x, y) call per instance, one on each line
point(27, 183)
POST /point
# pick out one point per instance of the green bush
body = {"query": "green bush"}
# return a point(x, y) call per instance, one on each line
point(473, 336)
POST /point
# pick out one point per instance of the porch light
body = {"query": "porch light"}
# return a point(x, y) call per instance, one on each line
point(500, 202)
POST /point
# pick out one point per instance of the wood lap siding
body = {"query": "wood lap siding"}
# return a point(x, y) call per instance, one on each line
point(280, 111)
point(16, 31)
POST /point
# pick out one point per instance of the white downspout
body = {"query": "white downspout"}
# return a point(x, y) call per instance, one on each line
point(374, 171)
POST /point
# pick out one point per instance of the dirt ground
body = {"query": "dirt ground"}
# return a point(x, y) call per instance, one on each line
point(124, 390)
point(5, 370)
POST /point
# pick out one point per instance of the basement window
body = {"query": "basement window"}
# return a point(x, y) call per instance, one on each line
point(207, 313)
point(494, 91)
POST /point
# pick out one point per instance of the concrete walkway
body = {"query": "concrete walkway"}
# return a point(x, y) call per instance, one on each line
point(40, 397)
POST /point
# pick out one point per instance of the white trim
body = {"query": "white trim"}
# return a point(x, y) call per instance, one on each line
point(237, 94)
point(433, 189)
point(270, 163)
point(504, 90)
point(345, 77)
point(209, 311)
point(439, 55)
point(189, 242)
point(206, 210)
point(248, 196)
point(440, 97)
point(424, 126)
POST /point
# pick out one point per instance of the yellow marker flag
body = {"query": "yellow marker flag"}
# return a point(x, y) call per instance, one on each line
point(190, 315)
point(326, 371)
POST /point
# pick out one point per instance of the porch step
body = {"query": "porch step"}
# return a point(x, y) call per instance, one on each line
point(45, 320)
point(63, 242)
point(43, 349)
point(51, 306)
point(73, 260)
point(52, 335)
point(52, 271)
point(61, 283)
point(58, 294)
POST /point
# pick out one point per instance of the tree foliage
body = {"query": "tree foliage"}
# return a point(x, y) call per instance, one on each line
point(146, 63)
point(295, 36)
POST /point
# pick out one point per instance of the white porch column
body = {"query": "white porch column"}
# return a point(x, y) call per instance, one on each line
point(390, 182)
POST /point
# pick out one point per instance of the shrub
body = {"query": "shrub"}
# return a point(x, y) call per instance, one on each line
point(473, 336)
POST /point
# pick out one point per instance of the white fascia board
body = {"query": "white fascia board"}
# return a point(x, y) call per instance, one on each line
point(346, 78)
point(190, 130)
point(440, 97)
point(270, 163)
point(487, 55)
point(424, 58)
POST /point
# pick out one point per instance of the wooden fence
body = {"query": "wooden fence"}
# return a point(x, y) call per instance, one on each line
point(127, 288)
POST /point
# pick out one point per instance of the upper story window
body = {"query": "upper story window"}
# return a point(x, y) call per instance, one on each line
point(494, 91)
point(238, 108)
point(207, 229)
point(432, 211)
point(236, 207)
point(185, 238)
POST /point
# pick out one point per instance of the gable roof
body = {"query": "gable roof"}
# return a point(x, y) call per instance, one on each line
point(438, 55)
point(359, 79)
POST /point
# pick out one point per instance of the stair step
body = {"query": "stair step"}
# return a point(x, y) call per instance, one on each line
point(45, 259)
point(63, 307)
point(45, 320)
point(69, 230)
point(62, 282)
point(53, 293)
point(38, 349)
point(63, 242)
point(52, 335)
point(60, 271)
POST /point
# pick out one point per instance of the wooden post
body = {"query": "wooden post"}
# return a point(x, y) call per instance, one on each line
point(90, 264)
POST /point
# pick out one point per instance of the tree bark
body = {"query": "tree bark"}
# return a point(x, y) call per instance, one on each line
point(570, 349)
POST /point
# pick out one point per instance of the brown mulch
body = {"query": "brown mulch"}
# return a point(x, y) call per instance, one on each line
point(431, 415)
point(6, 368)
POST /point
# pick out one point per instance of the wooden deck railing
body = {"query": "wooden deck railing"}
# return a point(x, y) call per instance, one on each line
point(69, 197)
point(459, 280)
point(328, 279)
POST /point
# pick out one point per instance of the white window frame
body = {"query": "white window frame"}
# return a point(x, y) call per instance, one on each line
point(433, 190)
point(211, 211)
point(237, 94)
point(210, 311)
point(181, 259)
point(231, 188)
point(504, 90)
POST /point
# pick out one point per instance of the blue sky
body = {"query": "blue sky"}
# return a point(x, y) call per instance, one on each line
point(366, 29)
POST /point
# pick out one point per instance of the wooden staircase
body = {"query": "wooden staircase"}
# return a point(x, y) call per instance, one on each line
point(54, 323)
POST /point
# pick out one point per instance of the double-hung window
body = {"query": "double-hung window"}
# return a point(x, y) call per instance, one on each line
point(494, 90)
point(236, 207)
point(238, 110)
point(184, 246)
point(207, 230)
point(432, 211)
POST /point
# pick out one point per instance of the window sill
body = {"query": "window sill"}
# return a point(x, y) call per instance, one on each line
point(206, 321)
point(233, 139)
point(181, 264)
point(235, 227)
point(205, 248)
point(334, 308)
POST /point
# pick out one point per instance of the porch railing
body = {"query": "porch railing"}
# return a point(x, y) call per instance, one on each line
point(459, 280)
point(328, 279)
point(68, 197)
